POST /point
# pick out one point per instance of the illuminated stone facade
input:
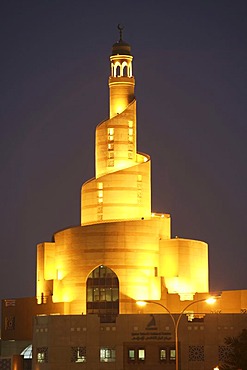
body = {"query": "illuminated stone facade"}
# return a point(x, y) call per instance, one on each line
point(118, 229)
point(134, 342)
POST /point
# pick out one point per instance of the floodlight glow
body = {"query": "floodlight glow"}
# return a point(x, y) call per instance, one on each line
point(141, 303)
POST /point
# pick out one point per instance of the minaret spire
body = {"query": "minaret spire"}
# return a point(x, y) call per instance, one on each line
point(121, 80)
point(120, 27)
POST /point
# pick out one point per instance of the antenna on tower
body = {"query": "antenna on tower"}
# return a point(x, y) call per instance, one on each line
point(120, 27)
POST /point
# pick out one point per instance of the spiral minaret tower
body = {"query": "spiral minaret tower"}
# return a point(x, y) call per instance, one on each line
point(121, 189)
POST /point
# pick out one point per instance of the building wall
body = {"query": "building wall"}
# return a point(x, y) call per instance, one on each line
point(17, 316)
point(184, 265)
point(14, 362)
point(141, 253)
point(201, 342)
point(121, 189)
point(130, 249)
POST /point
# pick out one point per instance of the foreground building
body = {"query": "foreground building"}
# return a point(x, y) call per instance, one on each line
point(89, 279)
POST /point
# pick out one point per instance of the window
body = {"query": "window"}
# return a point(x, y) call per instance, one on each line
point(196, 353)
point(27, 352)
point(107, 355)
point(136, 354)
point(131, 355)
point(41, 357)
point(100, 185)
point(5, 363)
point(78, 354)
point(141, 354)
point(110, 163)
point(172, 356)
point(100, 196)
point(130, 134)
point(9, 323)
point(110, 154)
point(103, 293)
point(125, 71)
point(118, 71)
point(162, 354)
point(42, 354)
point(110, 134)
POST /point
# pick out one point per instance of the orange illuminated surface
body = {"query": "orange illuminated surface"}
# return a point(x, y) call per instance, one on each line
point(118, 228)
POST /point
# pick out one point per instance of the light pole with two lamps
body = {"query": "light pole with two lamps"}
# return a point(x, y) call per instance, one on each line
point(209, 300)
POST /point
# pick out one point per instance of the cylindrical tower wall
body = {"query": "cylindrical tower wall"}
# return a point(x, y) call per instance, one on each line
point(121, 90)
point(122, 195)
point(184, 265)
point(130, 249)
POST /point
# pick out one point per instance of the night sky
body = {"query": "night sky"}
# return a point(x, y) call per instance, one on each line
point(191, 88)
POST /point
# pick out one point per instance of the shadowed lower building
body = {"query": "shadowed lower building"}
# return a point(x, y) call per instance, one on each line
point(90, 277)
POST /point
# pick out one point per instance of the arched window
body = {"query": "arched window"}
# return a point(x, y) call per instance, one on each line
point(118, 71)
point(125, 70)
point(103, 294)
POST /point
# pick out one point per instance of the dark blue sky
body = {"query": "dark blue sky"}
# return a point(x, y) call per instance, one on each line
point(191, 81)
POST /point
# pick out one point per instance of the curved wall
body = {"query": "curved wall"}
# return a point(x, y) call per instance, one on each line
point(129, 248)
point(184, 264)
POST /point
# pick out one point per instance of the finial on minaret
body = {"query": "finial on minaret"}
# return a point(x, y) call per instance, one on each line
point(120, 27)
point(121, 47)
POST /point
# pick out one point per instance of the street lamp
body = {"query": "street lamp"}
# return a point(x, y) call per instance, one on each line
point(210, 300)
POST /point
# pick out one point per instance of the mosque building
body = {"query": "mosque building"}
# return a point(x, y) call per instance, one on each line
point(90, 278)
point(119, 239)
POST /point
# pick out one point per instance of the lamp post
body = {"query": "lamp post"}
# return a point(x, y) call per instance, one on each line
point(176, 322)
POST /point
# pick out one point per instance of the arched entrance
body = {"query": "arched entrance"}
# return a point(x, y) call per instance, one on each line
point(103, 294)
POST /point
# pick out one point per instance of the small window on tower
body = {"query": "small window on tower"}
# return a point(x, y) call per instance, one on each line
point(110, 163)
point(118, 71)
point(110, 154)
point(100, 196)
point(100, 185)
point(110, 134)
point(130, 135)
point(110, 131)
point(125, 71)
